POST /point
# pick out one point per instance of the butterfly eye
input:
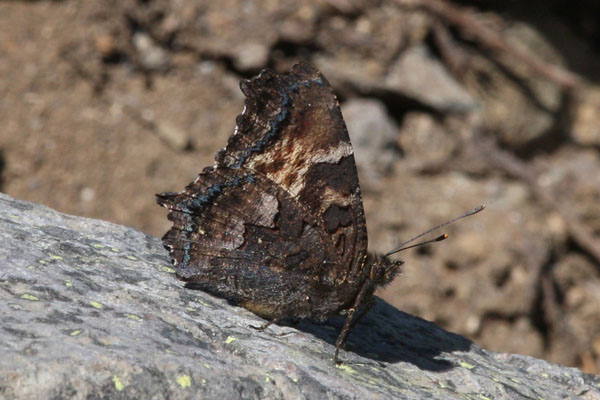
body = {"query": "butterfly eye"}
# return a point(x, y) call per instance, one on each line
point(377, 273)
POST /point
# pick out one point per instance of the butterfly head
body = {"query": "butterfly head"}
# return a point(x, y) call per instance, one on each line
point(384, 270)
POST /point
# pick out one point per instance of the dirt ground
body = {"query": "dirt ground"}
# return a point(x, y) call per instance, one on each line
point(105, 103)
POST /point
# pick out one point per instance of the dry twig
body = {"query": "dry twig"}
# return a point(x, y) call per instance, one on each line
point(468, 22)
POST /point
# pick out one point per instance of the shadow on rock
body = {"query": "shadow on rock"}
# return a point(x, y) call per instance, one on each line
point(386, 334)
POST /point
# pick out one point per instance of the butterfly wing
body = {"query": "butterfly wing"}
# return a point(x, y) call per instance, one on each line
point(293, 133)
point(279, 218)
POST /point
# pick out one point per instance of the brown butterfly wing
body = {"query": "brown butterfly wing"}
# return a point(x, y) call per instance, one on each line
point(277, 225)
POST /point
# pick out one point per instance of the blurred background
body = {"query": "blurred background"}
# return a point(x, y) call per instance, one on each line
point(449, 105)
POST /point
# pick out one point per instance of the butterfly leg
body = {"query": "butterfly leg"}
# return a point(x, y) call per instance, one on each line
point(363, 311)
point(344, 332)
point(348, 324)
point(264, 326)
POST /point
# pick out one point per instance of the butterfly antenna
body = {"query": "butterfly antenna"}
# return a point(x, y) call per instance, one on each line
point(403, 246)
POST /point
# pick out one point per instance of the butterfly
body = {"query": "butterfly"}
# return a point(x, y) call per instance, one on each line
point(277, 224)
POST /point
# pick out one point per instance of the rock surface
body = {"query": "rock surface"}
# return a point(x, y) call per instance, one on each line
point(373, 134)
point(91, 309)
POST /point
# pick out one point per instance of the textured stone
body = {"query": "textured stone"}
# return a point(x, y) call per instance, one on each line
point(585, 116)
point(374, 136)
point(418, 75)
point(91, 309)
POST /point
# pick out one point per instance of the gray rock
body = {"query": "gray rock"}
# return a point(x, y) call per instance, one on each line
point(373, 134)
point(585, 116)
point(418, 75)
point(91, 309)
point(415, 74)
point(251, 55)
point(151, 55)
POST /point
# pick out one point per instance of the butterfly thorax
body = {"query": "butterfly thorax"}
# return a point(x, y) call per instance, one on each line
point(382, 270)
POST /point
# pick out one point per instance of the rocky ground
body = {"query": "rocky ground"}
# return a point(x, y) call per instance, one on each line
point(91, 310)
point(106, 103)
